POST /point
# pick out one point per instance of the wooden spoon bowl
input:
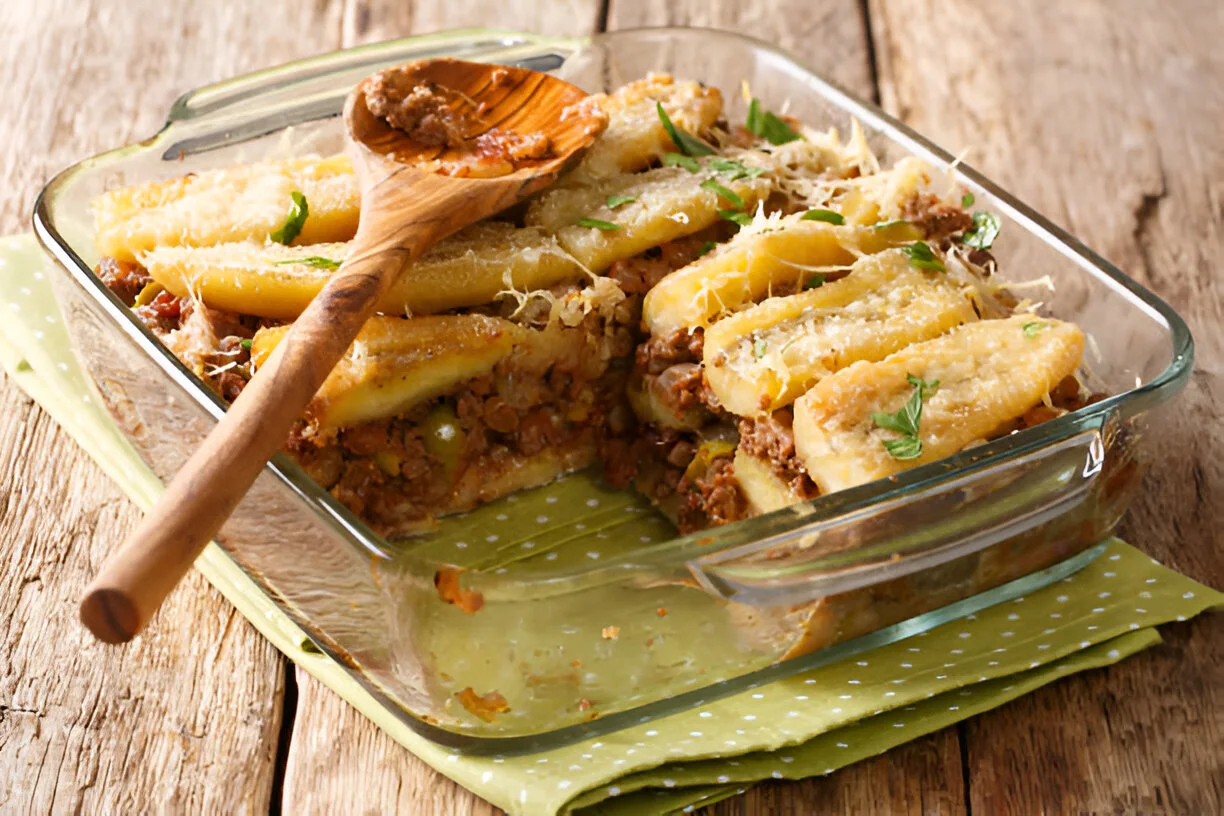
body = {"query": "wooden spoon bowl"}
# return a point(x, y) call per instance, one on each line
point(497, 135)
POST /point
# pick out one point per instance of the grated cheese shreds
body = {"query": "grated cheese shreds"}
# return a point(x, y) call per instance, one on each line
point(988, 372)
point(765, 357)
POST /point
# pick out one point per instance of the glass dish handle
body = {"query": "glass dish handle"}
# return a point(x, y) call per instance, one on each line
point(952, 516)
point(267, 101)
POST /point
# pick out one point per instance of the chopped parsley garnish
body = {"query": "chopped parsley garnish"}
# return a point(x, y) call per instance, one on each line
point(616, 201)
point(734, 170)
point(314, 260)
point(723, 192)
point(245, 343)
point(706, 247)
point(741, 218)
point(1034, 328)
point(687, 144)
point(967, 200)
point(680, 160)
point(827, 216)
point(295, 220)
point(906, 421)
point(308, 646)
point(595, 223)
point(759, 348)
point(985, 230)
point(768, 126)
point(24, 366)
point(887, 224)
point(814, 282)
point(923, 257)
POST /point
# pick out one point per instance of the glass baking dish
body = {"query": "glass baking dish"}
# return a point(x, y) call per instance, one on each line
point(595, 614)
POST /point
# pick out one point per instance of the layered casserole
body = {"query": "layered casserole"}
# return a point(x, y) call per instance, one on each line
point(729, 317)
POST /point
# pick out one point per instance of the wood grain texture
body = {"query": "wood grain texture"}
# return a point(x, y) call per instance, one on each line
point(1087, 112)
point(829, 36)
point(1106, 116)
point(340, 763)
point(187, 719)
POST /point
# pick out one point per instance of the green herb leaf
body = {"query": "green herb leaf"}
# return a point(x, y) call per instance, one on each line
point(616, 201)
point(729, 195)
point(245, 343)
point(967, 200)
point(828, 216)
point(595, 223)
point(294, 222)
point(986, 226)
point(907, 447)
point(923, 257)
point(769, 127)
point(814, 282)
point(927, 389)
point(887, 224)
point(24, 366)
point(308, 646)
point(734, 169)
point(1034, 328)
point(759, 348)
point(314, 260)
point(680, 160)
point(904, 421)
point(706, 247)
point(741, 218)
point(687, 144)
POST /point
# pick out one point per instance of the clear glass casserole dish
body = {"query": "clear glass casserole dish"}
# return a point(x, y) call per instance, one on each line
point(593, 614)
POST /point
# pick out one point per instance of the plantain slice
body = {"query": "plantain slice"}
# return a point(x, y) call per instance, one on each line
point(663, 204)
point(635, 138)
point(765, 357)
point(270, 280)
point(396, 364)
point(235, 204)
point(989, 373)
point(782, 254)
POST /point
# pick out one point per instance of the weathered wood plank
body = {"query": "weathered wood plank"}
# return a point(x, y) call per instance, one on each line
point(373, 20)
point(186, 719)
point(829, 36)
point(340, 763)
point(1102, 115)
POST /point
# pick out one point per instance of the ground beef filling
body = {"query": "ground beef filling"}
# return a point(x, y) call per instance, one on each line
point(712, 497)
point(936, 220)
point(772, 439)
point(661, 352)
point(397, 471)
point(639, 274)
point(124, 278)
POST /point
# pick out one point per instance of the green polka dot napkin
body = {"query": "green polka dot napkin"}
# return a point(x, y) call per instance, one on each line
point(809, 724)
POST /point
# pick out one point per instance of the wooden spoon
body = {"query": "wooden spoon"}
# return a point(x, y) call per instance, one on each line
point(479, 138)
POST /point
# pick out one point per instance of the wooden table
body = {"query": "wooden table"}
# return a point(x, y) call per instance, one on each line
point(1106, 115)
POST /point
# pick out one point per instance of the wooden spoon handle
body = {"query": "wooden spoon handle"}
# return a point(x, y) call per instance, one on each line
point(137, 577)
